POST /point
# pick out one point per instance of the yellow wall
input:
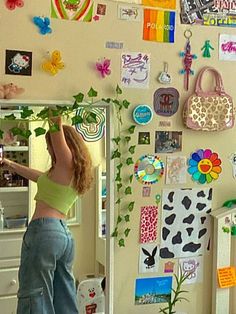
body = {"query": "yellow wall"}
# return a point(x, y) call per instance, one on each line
point(81, 45)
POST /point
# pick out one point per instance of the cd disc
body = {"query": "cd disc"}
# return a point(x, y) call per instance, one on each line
point(149, 169)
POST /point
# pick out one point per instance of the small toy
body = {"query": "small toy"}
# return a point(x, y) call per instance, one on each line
point(187, 59)
point(55, 64)
point(12, 4)
point(206, 49)
point(43, 24)
point(9, 91)
point(164, 77)
point(103, 67)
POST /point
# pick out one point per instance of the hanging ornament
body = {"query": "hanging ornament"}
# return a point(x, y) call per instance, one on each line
point(164, 77)
point(206, 49)
point(187, 59)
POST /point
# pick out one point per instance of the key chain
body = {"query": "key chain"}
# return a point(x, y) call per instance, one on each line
point(164, 77)
point(187, 59)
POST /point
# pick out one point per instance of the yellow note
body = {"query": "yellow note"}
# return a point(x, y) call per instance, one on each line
point(226, 277)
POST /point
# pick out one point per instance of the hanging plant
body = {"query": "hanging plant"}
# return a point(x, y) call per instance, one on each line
point(122, 154)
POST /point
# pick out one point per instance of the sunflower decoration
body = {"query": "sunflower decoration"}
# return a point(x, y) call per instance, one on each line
point(204, 166)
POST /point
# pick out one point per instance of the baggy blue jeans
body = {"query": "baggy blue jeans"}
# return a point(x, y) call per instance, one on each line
point(46, 283)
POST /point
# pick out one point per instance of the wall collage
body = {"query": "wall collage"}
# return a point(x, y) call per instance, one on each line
point(186, 222)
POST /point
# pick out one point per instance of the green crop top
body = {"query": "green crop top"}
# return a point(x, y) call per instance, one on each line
point(56, 195)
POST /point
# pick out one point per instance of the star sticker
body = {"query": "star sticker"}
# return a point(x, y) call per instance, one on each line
point(96, 18)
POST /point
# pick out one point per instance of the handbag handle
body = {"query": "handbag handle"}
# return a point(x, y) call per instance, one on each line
point(219, 88)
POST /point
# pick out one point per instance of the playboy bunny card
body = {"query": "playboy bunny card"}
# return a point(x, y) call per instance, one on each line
point(148, 258)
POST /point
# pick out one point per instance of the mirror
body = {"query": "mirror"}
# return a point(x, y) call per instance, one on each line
point(90, 219)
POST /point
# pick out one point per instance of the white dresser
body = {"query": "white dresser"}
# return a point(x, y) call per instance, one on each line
point(10, 246)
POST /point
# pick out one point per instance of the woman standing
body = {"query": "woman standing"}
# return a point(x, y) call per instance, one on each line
point(46, 283)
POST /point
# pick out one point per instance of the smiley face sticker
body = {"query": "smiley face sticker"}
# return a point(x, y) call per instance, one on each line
point(204, 166)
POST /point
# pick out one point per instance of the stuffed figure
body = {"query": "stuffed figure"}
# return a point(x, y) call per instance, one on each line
point(9, 91)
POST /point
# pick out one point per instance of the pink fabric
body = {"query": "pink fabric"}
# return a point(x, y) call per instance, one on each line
point(148, 224)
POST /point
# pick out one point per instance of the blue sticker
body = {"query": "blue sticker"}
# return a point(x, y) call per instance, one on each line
point(142, 114)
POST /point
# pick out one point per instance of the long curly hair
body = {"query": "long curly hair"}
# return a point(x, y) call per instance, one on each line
point(82, 162)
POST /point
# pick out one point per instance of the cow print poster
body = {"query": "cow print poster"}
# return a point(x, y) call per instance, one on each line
point(185, 222)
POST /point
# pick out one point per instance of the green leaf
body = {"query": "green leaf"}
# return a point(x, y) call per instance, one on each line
point(131, 129)
point(92, 93)
point(126, 218)
point(126, 104)
point(119, 219)
point(44, 113)
point(118, 177)
point(129, 161)
point(128, 190)
point(119, 186)
point(108, 100)
point(15, 131)
point(131, 206)
point(25, 133)
point(118, 201)
point(79, 97)
point(115, 233)
point(91, 117)
point(39, 131)
point(54, 128)
point(26, 112)
point(132, 149)
point(116, 140)
point(77, 120)
point(116, 102)
point(10, 117)
point(127, 138)
point(116, 154)
point(131, 178)
point(126, 232)
point(75, 106)
point(121, 242)
point(119, 166)
point(118, 90)
point(1, 134)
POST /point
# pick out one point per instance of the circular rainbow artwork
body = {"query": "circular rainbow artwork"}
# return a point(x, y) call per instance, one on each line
point(92, 132)
point(204, 166)
point(149, 169)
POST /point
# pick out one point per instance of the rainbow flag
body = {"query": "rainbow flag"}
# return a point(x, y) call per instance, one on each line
point(159, 26)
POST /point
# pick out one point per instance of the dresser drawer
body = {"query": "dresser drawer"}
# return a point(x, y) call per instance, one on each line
point(10, 248)
point(8, 305)
point(8, 281)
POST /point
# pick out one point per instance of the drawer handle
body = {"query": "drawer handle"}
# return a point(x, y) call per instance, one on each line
point(13, 282)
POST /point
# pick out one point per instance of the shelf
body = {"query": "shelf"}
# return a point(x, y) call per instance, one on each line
point(16, 148)
point(104, 177)
point(12, 230)
point(14, 189)
point(104, 196)
point(103, 210)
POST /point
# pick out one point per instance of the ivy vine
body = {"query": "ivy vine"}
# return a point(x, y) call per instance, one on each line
point(122, 154)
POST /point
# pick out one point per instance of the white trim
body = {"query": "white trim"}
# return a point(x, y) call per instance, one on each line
point(109, 184)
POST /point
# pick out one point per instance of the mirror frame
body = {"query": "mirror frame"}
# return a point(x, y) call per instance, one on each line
point(109, 133)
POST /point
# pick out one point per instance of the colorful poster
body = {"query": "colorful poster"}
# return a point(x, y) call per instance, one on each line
point(165, 4)
point(148, 224)
point(135, 69)
point(176, 170)
point(148, 258)
point(159, 26)
point(227, 47)
point(153, 290)
point(193, 268)
point(78, 10)
point(185, 222)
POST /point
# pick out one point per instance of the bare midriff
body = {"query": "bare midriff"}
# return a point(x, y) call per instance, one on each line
point(43, 210)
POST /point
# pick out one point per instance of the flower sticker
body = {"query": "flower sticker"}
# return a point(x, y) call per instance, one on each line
point(204, 166)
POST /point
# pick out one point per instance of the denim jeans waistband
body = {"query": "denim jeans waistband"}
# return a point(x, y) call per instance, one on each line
point(48, 222)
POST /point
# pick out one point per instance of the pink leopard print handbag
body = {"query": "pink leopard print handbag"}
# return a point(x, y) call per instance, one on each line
point(209, 111)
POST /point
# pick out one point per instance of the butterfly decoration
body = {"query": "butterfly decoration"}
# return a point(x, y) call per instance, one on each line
point(43, 24)
point(55, 64)
point(103, 67)
point(12, 4)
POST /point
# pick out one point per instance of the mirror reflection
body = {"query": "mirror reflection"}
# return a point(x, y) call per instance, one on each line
point(86, 219)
